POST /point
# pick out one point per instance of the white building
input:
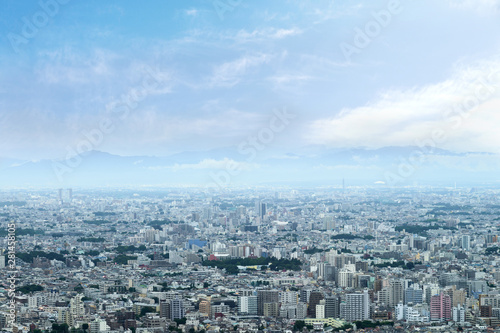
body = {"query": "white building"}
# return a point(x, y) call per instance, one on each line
point(458, 314)
point(409, 314)
point(356, 307)
point(320, 310)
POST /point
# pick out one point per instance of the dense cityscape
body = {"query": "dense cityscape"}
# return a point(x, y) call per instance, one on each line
point(251, 260)
point(242, 166)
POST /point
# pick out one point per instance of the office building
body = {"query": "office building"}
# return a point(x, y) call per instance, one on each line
point(332, 307)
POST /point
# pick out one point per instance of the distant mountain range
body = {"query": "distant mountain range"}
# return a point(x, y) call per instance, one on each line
point(314, 165)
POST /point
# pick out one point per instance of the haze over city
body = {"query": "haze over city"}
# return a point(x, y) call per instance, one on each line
point(249, 166)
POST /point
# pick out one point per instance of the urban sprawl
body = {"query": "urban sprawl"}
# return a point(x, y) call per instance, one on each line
point(250, 260)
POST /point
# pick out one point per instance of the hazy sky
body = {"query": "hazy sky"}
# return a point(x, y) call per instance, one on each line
point(159, 77)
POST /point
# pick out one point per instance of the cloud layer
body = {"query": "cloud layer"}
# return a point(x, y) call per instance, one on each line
point(463, 109)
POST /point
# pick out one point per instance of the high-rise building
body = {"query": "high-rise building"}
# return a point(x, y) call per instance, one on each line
point(260, 209)
point(205, 307)
point(271, 309)
point(314, 299)
point(301, 310)
point(266, 296)
point(328, 223)
point(490, 238)
point(457, 295)
point(176, 309)
point(304, 295)
point(289, 297)
point(384, 296)
point(441, 307)
point(332, 307)
point(397, 292)
point(247, 305)
point(346, 276)
point(414, 296)
point(466, 242)
point(485, 311)
point(340, 261)
point(2, 261)
point(165, 309)
point(76, 310)
point(326, 272)
point(320, 310)
point(458, 314)
point(357, 306)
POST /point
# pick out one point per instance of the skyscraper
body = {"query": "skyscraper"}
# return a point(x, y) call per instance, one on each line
point(260, 209)
point(466, 242)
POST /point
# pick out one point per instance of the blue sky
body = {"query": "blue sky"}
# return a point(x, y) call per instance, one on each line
point(211, 73)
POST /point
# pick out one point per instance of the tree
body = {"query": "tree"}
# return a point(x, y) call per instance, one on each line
point(63, 328)
point(181, 321)
point(147, 309)
point(299, 325)
point(85, 327)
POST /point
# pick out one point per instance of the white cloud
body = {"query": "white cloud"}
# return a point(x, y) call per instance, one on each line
point(481, 6)
point(230, 73)
point(211, 164)
point(67, 66)
point(192, 12)
point(334, 12)
point(244, 36)
point(464, 108)
point(290, 78)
